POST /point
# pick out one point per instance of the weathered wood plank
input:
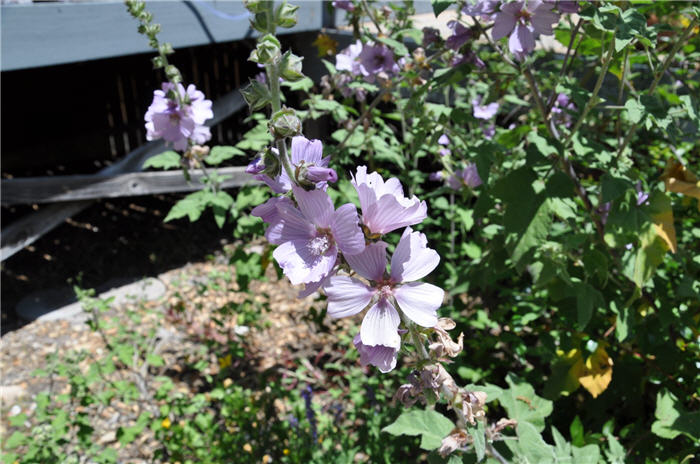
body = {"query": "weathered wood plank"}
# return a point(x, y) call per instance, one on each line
point(28, 229)
point(55, 189)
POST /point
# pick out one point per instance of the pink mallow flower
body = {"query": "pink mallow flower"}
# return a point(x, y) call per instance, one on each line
point(311, 236)
point(468, 176)
point(524, 21)
point(484, 111)
point(307, 157)
point(383, 357)
point(418, 301)
point(384, 206)
point(349, 59)
point(178, 115)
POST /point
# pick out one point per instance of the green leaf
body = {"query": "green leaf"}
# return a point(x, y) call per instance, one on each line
point(588, 454)
point(523, 405)
point(534, 234)
point(635, 110)
point(587, 299)
point(531, 446)
point(562, 448)
point(221, 153)
point(672, 420)
point(191, 206)
point(576, 430)
point(614, 187)
point(166, 160)
point(650, 254)
point(439, 6)
point(430, 425)
point(155, 360)
point(479, 439)
point(616, 452)
point(15, 440)
point(399, 48)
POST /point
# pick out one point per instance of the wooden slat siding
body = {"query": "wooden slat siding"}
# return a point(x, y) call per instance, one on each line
point(43, 34)
point(91, 187)
point(28, 229)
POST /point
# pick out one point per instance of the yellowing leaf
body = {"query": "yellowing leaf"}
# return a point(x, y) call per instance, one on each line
point(325, 45)
point(678, 179)
point(663, 225)
point(597, 373)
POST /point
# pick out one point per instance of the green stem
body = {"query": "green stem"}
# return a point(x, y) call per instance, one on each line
point(276, 103)
point(659, 75)
point(594, 96)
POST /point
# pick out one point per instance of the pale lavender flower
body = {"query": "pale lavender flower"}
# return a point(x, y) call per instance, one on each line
point(642, 196)
point(383, 357)
point(489, 131)
point(468, 176)
point(561, 111)
point(307, 156)
point(269, 213)
point(565, 6)
point(445, 152)
point(485, 9)
point(412, 260)
point(376, 59)
point(384, 206)
point(348, 59)
point(178, 115)
point(346, 5)
point(444, 140)
point(604, 211)
point(436, 176)
point(460, 35)
point(524, 22)
point(484, 111)
point(261, 77)
point(312, 235)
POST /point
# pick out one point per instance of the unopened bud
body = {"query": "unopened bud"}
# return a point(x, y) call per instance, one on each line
point(256, 166)
point(256, 94)
point(320, 174)
point(290, 67)
point(285, 123)
point(286, 15)
point(257, 6)
point(273, 168)
point(260, 23)
point(268, 49)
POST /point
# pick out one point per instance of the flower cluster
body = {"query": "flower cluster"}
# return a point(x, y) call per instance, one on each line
point(341, 251)
point(521, 21)
point(178, 115)
point(369, 60)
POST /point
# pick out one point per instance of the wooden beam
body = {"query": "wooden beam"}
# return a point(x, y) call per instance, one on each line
point(91, 187)
point(28, 229)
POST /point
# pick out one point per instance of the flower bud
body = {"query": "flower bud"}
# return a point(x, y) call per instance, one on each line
point(286, 15)
point(256, 94)
point(273, 168)
point(257, 6)
point(285, 123)
point(259, 22)
point(290, 67)
point(256, 166)
point(267, 51)
point(319, 174)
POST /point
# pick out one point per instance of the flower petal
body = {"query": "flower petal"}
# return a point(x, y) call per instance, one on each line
point(371, 263)
point(380, 325)
point(303, 149)
point(420, 302)
point(503, 24)
point(389, 214)
point(294, 225)
point(346, 296)
point(412, 259)
point(300, 265)
point(346, 231)
point(315, 205)
point(383, 357)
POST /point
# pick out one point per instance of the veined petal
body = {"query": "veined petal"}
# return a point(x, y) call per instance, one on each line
point(420, 302)
point(294, 225)
point(300, 265)
point(315, 205)
point(383, 357)
point(347, 296)
point(268, 210)
point(543, 18)
point(389, 214)
point(346, 231)
point(303, 149)
point(380, 325)
point(503, 24)
point(412, 259)
point(371, 263)
point(522, 40)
